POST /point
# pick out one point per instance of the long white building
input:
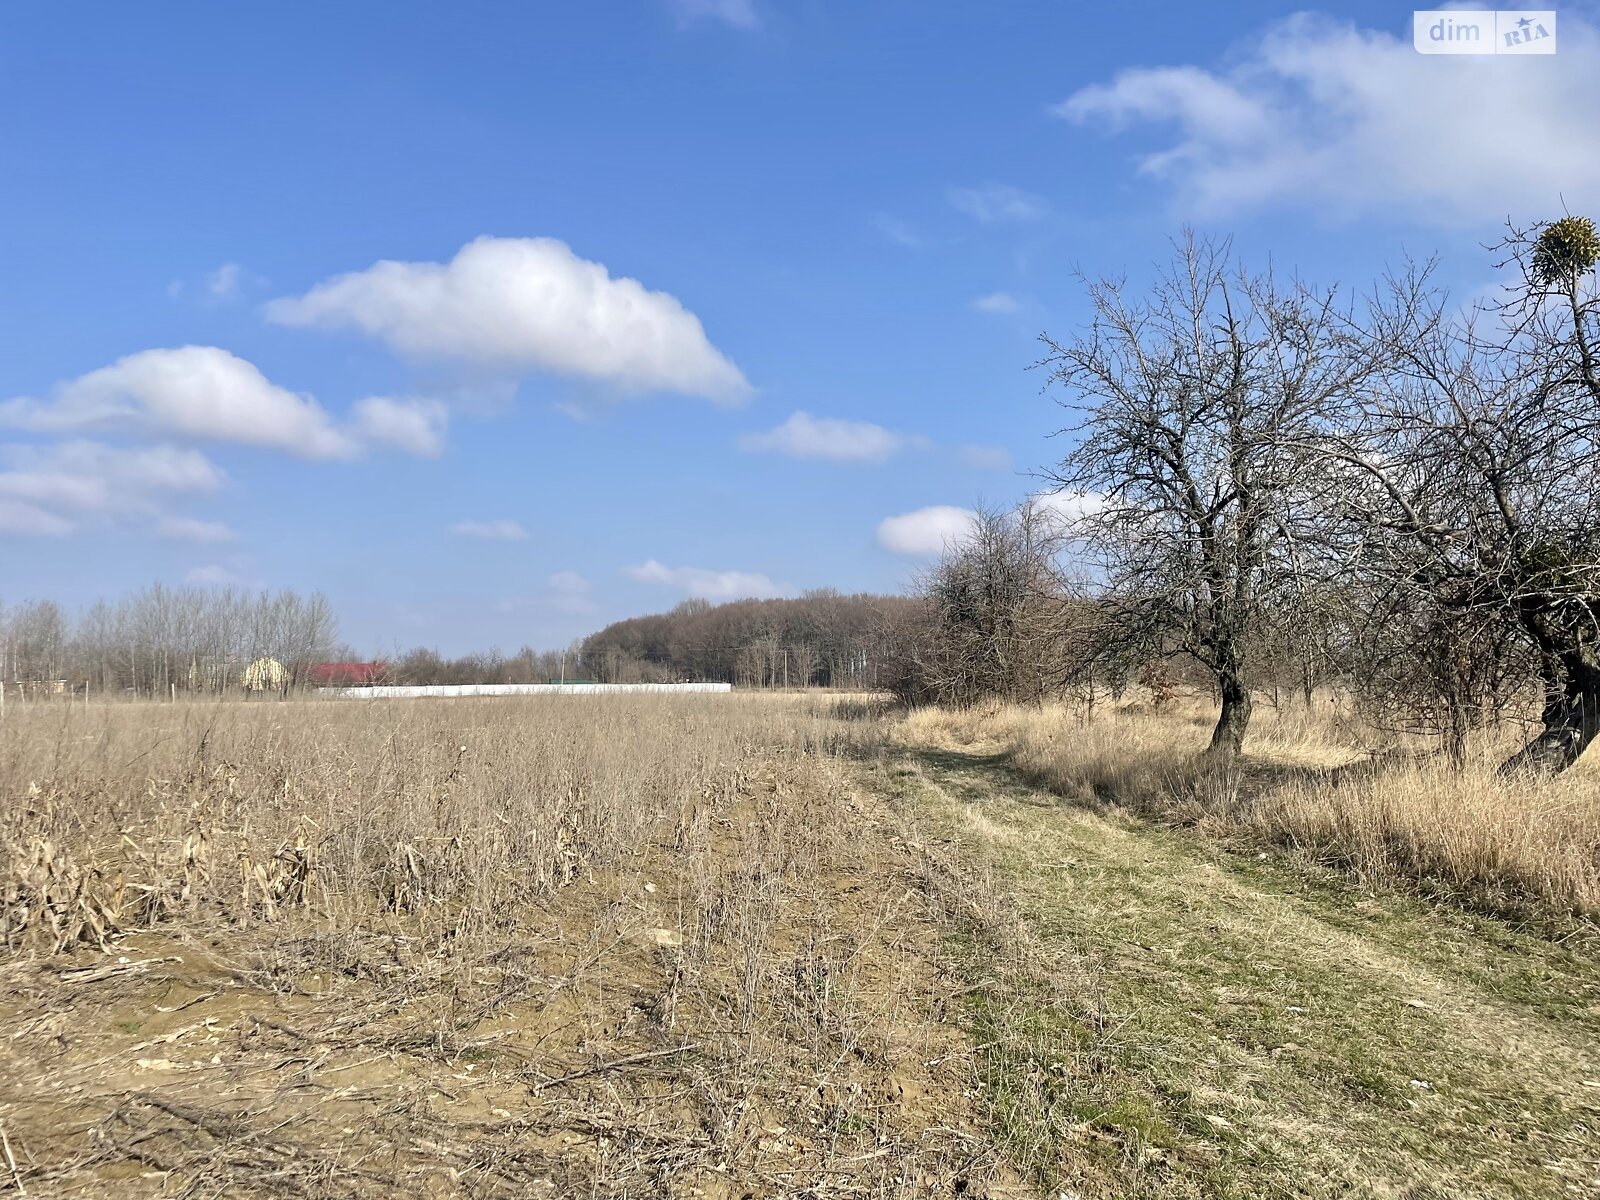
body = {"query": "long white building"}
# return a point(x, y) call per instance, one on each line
point(396, 692)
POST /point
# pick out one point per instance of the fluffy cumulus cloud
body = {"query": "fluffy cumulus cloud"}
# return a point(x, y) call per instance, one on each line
point(806, 436)
point(203, 393)
point(188, 394)
point(55, 489)
point(198, 392)
point(1345, 121)
point(997, 203)
point(525, 304)
point(1068, 508)
point(493, 531)
point(710, 585)
point(926, 531)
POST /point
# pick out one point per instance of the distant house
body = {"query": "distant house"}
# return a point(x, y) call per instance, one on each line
point(348, 674)
point(265, 675)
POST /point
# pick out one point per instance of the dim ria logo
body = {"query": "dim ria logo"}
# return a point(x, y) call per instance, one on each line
point(1484, 31)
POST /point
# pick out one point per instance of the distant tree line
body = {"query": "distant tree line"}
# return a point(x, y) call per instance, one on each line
point(162, 640)
point(820, 639)
point(1277, 485)
point(421, 666)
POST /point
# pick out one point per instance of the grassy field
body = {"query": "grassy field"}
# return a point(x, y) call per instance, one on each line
point(1526, 848)
point(1161, 1013)
point(744, 946)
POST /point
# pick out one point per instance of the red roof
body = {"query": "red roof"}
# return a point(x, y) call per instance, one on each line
point(347, 674)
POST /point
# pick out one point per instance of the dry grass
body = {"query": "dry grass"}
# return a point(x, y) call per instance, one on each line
point(615, 947)
point(730, 947)
point(132, 814)
point(1159, 1018)
point(1519, 846)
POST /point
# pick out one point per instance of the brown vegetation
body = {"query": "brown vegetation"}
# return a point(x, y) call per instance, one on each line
point(1315, 786)
point(608, 946)
point(822, 639)
point(729, 946)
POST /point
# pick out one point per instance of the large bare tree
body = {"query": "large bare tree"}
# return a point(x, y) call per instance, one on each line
point(1471, 469)
point(1194, 404)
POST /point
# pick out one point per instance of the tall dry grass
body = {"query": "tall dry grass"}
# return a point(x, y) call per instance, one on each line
point(121, 816)
point(1310, 781)
point(599, 946)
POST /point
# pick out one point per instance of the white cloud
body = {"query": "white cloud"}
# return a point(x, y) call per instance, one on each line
point(190, 529)
point(985, 458)
point(927, 531)
point(494, 531)
point(223, 283)
point(195, 392)
point(1068, 507)
point(208, 394)
point(710, 585)
point(997, 302)
point(570, 592)
point(29, 520)
point(741, 14)
point(994, 203)
point(805, 436)
point(414, 426)
point(1344, 121)
point(54, 488)
point(93, 477)
point(525, 303)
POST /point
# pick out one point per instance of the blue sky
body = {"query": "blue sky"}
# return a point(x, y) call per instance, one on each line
point(710, 297)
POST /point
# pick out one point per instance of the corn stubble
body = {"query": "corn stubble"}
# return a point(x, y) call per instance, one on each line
point(613, 947)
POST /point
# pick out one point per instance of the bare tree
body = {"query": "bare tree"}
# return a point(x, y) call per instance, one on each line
point(34, 644)
point(1471, 471)
point(160, 640)
point(1192, 404)
point(993, 619)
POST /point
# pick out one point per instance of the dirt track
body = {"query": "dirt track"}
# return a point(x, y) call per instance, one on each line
point(1201, 1023)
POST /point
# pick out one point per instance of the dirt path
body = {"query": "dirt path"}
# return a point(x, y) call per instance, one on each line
point(1180, 1021)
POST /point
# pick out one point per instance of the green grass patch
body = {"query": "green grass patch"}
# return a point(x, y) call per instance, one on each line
point(1158, 1017)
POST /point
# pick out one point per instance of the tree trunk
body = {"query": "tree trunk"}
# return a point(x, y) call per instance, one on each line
point(1227, 739)
point(1571, 715)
